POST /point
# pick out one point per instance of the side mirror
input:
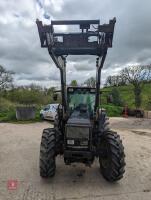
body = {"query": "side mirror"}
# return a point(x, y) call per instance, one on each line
point(55, 97)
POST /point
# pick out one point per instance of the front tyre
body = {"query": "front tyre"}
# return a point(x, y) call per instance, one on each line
point(47, 162)
point(111, 156)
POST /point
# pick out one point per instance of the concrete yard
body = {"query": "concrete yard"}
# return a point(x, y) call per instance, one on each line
point(19, 160)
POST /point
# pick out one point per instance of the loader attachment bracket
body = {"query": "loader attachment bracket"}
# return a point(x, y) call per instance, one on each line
point(77, 43)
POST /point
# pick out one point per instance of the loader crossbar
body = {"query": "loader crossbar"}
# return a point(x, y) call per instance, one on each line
point(79, 43)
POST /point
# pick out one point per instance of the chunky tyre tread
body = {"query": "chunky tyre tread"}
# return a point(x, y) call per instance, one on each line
point(116, 169)
point(103, 123)
point(47, 153)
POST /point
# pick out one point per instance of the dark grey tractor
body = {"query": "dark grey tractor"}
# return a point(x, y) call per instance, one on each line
point(81, 132)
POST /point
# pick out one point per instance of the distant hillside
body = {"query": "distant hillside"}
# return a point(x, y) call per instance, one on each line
point(127, 96)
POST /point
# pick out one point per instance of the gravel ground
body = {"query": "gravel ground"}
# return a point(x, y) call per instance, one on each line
point(19, 159)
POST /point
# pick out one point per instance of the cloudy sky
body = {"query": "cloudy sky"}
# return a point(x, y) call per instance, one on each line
point(20, 49)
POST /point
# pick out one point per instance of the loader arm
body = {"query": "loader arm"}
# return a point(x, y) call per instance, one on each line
point(92, 39)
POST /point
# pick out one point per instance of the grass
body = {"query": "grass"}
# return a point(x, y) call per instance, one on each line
point(8, 113)
point(10, 116)
point(127, 96)
point(112, 110)
point(7, 110)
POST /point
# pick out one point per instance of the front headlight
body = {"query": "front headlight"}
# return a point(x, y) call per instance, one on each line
point(70, 142)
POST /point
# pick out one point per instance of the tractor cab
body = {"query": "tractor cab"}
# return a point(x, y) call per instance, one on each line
point(81, 102)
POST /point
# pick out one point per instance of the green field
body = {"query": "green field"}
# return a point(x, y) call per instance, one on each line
point(127, 96)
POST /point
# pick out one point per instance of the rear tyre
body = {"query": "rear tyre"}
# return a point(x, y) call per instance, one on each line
point(111, 156)
point(47, 153)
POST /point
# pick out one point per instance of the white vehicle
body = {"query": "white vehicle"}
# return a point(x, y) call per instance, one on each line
point(49, 112)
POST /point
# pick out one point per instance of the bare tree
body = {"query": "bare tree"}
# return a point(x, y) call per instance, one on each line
point(90, 82)
point(115, 80)
point(108, 81)
point(137, 75)
point(5, 78)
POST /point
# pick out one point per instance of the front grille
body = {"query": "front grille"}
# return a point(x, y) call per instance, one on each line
point(77, 132)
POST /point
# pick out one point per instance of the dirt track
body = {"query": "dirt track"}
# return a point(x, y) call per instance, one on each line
point(19, 159)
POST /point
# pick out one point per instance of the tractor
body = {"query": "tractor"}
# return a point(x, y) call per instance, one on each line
point(81, 130)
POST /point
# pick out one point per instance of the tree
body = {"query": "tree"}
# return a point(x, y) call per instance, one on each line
point(112, 81)
point(90, 82)
point(6, 78)
point(50, 91)
point(34, 87)
point(137, 75)
point(25, 96)
point(74, 83)
point(115, 80)
point(148, 102)
point(116, 99)
point(108, 81)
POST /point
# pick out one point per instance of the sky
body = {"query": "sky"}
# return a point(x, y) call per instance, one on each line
point(20, 49)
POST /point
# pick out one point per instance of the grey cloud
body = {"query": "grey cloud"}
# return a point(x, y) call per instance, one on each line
point(20, 48)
